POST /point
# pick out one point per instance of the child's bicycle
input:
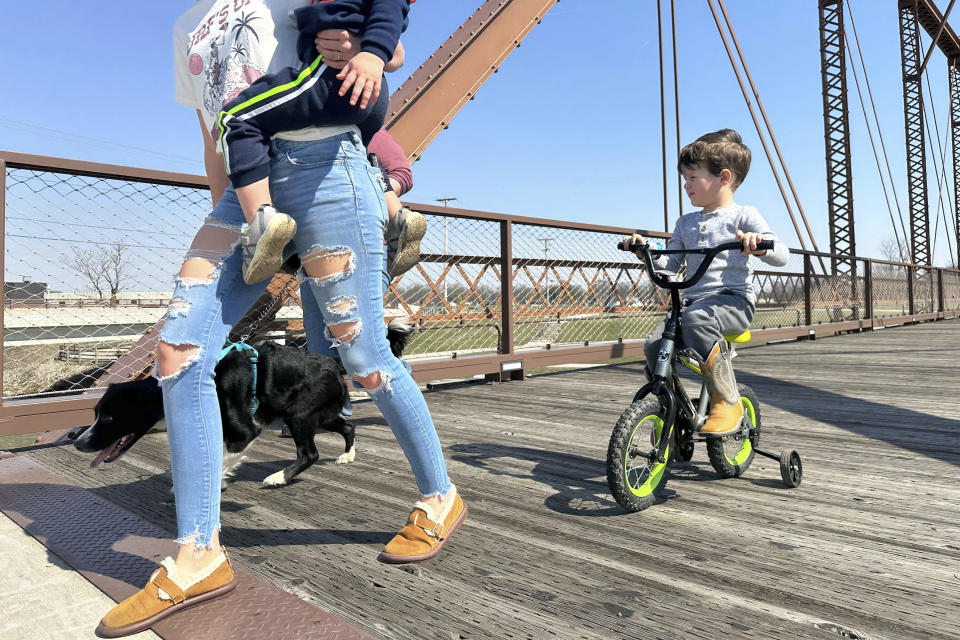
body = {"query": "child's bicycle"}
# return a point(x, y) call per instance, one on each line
point(663, 422)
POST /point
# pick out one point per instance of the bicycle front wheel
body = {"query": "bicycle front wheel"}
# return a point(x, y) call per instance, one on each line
point(634, 473)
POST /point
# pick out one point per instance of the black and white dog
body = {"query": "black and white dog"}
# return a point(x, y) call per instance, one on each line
point(304, 390)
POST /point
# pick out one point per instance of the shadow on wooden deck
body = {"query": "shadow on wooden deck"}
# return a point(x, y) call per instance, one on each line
point(866, 546)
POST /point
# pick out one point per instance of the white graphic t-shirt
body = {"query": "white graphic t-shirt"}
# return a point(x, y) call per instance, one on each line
point(221, 46)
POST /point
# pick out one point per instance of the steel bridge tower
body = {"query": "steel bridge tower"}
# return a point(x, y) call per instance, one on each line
point(836, 129)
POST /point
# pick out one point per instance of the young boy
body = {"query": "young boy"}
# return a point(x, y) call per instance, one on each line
point(724, 300)
point(293, 99)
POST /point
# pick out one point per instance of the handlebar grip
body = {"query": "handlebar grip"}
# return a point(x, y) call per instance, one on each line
point(631, 247)
point(765, 245)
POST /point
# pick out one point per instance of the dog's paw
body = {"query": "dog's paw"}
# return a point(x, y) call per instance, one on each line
point(349, 456)
point(230, 463)
point(274, 480)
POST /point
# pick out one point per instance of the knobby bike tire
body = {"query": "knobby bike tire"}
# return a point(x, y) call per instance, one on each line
point(634, 487)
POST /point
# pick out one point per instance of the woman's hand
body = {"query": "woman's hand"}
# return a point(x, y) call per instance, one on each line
point(750, 240)
point(630, 240)
point(364, 73)
point(337, 47)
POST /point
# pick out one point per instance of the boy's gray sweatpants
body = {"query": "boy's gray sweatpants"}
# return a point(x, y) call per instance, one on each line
point(705, 322)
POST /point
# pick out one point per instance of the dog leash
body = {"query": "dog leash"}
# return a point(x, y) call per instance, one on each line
point(242, 345)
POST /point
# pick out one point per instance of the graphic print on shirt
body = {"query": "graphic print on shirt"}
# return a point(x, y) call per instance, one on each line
point(225, 48)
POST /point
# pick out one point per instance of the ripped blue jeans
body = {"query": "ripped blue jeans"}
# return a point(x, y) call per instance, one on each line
point(333, 193)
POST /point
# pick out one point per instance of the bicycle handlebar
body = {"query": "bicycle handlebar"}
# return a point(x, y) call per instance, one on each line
point(708, 253)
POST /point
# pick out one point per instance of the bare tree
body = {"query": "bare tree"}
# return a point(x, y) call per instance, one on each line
point(103, 268)
point(114, 271)
point(87, 264)
point(892, 250)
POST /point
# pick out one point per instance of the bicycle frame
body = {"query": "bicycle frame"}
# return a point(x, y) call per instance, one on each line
point(665, 370)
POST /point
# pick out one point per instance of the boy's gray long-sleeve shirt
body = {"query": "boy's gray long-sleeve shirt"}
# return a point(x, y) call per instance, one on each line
point(730, 270)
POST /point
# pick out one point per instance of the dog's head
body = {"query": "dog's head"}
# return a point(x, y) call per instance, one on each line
point(399, 331)
point(122, 416)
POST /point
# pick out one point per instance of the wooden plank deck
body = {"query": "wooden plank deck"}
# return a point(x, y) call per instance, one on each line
point(868, 546)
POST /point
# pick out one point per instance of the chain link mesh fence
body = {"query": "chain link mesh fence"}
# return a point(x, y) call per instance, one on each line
point(89, 265)
point(891, 295)
point(951, 290)
point(453, 294)
point(575, 287)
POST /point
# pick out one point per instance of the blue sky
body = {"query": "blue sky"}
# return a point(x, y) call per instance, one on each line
point(568, 129)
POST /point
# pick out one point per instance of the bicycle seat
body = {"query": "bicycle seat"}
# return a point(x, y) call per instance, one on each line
point(738, 337)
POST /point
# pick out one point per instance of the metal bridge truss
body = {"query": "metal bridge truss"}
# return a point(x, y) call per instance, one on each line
point(836, 125)
point(910, 55)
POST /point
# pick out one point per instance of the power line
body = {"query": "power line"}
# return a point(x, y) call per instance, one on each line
point(57, 133)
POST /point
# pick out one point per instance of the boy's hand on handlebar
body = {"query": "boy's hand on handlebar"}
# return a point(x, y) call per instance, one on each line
point(750, 240)
point(629, 241)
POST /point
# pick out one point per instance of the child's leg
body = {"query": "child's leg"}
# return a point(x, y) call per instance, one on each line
point(284, 101)
point(705, 322)
point(253, 196)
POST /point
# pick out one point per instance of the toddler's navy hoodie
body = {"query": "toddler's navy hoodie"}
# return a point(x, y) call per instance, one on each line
point(380, 22)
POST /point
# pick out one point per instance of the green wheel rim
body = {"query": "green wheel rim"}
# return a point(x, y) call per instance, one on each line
point(650, 476)
point(746, 448)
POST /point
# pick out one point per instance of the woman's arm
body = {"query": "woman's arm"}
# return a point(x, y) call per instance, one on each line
point(393, 160)
point(213, 162)
point(397, 60)
point(339, 46)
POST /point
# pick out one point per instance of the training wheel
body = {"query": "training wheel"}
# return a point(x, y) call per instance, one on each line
point(791, 468)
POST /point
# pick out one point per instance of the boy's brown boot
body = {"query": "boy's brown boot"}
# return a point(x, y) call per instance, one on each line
point(163, 597)
point(426, 532)
point(726, 411)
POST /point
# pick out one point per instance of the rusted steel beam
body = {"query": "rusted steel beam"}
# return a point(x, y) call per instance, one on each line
point(913, 126)
point(930, 18)
point(953, 74)
point(836, 125)
point(425, 104)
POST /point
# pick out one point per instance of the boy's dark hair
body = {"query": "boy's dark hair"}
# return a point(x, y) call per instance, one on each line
point(716, 151)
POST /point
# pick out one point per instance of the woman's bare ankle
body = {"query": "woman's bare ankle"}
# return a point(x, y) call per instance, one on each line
point(191, 559)
point(438, 503)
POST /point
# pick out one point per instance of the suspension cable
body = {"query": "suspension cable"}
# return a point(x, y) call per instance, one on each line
point(676, 96)
point(900, 246)
point(946, 209)
point(873, 105)
point(756, 124)
point(663, 121)
point(766, 120)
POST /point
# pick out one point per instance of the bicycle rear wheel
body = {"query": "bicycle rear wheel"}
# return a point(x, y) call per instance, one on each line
point(634, 475)
point(732, 455)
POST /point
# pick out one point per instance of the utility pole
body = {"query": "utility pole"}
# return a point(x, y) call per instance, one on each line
point(546, 253)
point(445, 219)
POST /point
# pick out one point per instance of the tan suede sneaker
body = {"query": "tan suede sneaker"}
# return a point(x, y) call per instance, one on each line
point(425, 533)
point(162, 597)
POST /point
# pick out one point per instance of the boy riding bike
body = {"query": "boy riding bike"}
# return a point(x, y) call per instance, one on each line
point(724, 300)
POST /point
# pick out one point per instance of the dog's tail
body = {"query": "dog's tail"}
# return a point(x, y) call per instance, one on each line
point(398, 334)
